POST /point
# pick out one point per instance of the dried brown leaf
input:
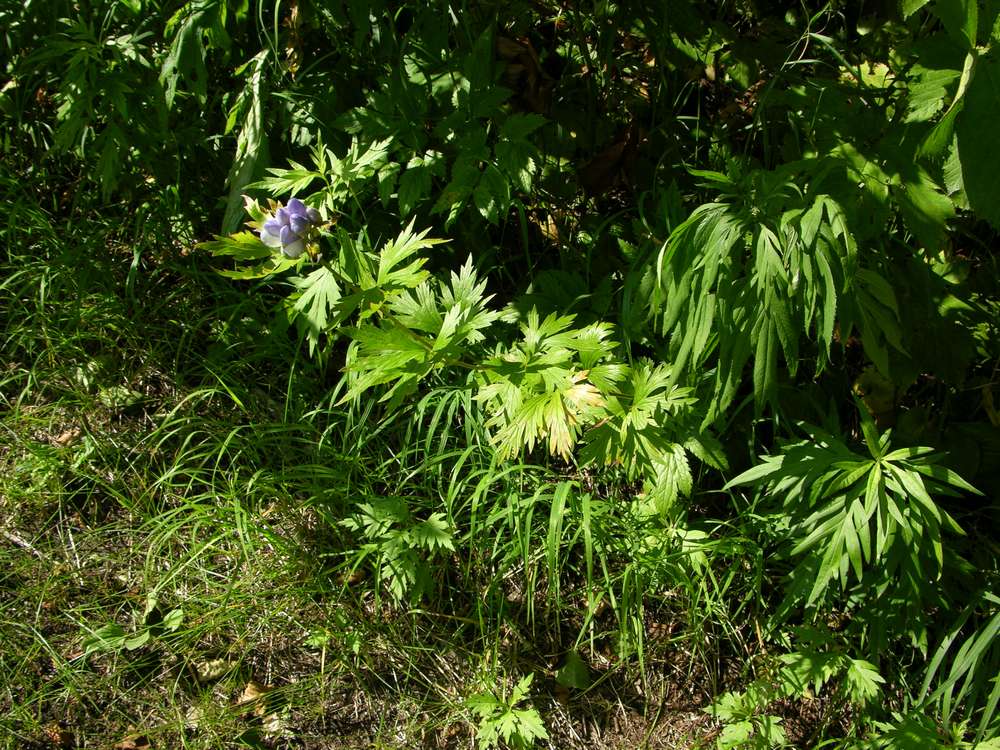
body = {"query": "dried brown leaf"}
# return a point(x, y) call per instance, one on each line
point(134, 742)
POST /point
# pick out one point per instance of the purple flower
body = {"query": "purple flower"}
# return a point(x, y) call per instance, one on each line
point(289, 226)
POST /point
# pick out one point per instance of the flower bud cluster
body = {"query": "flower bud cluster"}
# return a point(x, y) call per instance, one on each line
point(289, 228)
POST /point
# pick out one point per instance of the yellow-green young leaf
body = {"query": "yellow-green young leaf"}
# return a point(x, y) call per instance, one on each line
point(402, 249)
point(242, 246)
point(269, 267)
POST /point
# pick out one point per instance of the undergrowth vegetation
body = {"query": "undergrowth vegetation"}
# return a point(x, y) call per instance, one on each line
point(539, 374)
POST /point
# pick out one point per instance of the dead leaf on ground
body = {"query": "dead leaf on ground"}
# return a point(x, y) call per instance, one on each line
point(66, 436)
point(134, 742)
point(255, 695)
point(252, 694)
point(211, 669)
point(524, 74)
point(614, 164)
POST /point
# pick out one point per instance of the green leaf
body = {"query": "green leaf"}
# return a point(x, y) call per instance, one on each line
point(414, 185)
point(249, 143)
point(946, 476)
point(530, 727)
point(242, 246)
point(753, 475)
point(186, 58)
point(287, 181)
point(520, 126)
point(173, 620)
point(574, 673)
point(271, 266)
point(960, 18)
point(401, 249)
point(387, 177)
point(518, 160)
point(433, 533)
point(492, 194)
point(320, 293)
point(925, 208)
point(926, 94)
point(110, 637)
point(862, 680)
point(909, 7)
point(735, 735)
point(977, 139)
point(464, 178)
point(138, 640)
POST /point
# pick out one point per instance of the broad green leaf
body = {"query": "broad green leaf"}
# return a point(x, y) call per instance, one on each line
point(138, 640)
point(574, 673)
point(518, 126)
point(925, 208)
point(110, 637)
point(415, 184)
point(926, 93)
point(977, 139)
point(960, 18)
point(173, 620)
point(910, 7)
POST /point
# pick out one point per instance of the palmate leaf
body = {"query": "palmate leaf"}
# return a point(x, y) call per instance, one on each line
point(318, 297)
point(287, 181)
point(850, 512)
point(390, 275)
point(555, 416)
point(862, 681)
point(432, 534)
point(748, 282)
point(383, 355)
point(241, 246)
